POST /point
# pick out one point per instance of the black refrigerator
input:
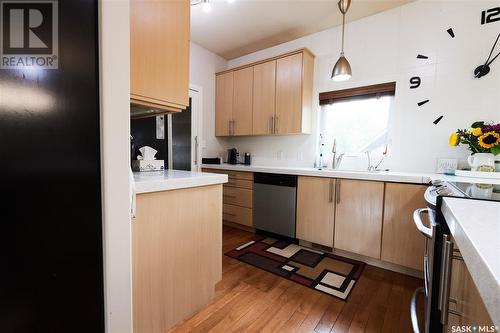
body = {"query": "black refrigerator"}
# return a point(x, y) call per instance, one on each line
point(51, 257)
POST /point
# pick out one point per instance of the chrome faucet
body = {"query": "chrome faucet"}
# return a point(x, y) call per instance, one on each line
point(336, 160)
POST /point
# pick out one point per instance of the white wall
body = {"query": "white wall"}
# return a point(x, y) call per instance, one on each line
point(383, 48)
point(115, 156)
point(203, 65)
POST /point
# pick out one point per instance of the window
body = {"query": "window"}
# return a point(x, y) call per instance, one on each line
point(357, 118)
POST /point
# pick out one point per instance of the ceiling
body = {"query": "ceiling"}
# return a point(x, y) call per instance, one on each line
point(245, 26)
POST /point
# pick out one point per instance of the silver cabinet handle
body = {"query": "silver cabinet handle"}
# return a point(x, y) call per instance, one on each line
point(337, 191)
point(196, 150)
point(234, 126)
point(413, 309)
point(330, 190)
point(274, 125)
point(277, 126)
point(229, 127)
point(444, 291)
point(417, 219)
point(441, 275)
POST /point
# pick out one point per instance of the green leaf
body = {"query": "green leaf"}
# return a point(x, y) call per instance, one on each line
point(495, 150)
point(478, 124)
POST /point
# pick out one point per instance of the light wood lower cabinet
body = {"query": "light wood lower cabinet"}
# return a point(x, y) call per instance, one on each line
point(466, 307)
point(238, 197)
point(238, 214)
point(402, 244)
point(358, 216)
point(315, 210)
point(173, 240)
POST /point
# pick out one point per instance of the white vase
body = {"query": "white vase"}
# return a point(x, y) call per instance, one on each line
point(497, 163)
point(482, 162)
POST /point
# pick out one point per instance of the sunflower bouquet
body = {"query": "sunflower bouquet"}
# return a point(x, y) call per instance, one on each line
point(481, 138)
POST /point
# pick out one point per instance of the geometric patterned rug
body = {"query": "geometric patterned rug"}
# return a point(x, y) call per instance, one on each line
point(331, 274)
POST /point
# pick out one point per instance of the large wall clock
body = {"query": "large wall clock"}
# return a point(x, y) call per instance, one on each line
point(487, 16)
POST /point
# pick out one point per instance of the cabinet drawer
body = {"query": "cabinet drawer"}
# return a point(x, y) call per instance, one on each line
point(243, 183)
point(238, 196)
point(237, 214)
point(233, 174)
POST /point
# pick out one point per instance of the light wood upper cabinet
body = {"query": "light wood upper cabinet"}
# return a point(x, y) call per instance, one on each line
point(224, 104)
point(159, 54)
point(264, 95)
point(315, 210)
point(242, 101)
point(402, 243)
point(358, 216)
point(289, 94)
point(280, 100)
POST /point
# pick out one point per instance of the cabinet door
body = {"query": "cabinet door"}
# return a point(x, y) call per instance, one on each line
point(159, 53)
point(242, 101)
point(358, 216)
point(315, 210)
point(264, 98)
point(466, 307)
point(402, 243)
point(223, 104)
point(289, 94)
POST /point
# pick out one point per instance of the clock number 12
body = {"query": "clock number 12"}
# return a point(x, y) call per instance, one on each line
point(490, 15)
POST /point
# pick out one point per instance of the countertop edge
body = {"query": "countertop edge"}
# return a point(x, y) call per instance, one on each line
point(385, 176)
point(205, 179)
point(482, 275)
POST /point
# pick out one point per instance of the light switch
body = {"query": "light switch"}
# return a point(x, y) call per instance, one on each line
point(160, 127)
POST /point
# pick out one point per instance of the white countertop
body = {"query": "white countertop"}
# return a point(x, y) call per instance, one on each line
point(475, 226)
point(388, 176)
point(156, 181)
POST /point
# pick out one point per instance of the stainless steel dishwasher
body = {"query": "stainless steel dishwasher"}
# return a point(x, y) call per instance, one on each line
point(274, 203)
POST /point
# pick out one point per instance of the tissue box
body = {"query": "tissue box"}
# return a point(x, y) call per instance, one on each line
point(152, 165)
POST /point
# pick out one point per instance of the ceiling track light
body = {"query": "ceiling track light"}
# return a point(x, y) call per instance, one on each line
point(342, 69)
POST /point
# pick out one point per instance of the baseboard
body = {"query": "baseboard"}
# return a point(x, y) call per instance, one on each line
point(369, 260)
point(238, 226)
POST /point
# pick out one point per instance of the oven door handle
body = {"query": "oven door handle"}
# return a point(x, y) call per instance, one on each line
point(413, 309)
point(417, 219)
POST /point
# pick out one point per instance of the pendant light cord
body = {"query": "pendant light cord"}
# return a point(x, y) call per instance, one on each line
point(343, 26)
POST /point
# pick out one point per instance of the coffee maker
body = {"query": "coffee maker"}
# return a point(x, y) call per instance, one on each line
point(232, 156)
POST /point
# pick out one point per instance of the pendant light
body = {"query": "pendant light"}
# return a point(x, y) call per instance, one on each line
point(342, 69)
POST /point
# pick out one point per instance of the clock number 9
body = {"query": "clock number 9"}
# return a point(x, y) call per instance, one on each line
point(415, 82)
point(490, 15)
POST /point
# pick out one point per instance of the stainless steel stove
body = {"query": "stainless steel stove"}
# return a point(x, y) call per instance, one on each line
point(436, 232)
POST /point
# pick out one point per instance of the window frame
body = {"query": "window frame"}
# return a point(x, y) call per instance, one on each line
point(328, 97)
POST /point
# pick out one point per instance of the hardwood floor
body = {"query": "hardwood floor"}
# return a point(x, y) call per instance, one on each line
point(251, 300)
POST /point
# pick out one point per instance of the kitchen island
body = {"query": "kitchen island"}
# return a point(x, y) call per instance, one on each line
point(176, 246)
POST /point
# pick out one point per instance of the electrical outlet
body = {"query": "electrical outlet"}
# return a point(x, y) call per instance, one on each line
point(446, 165)
point(300, 156)
point(279, 155)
